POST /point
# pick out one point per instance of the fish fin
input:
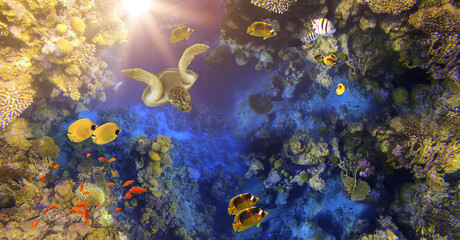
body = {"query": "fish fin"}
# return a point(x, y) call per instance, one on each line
point(230, 211)
point(258, 224)
point(187, 37)
point(265, 38)
point(235, 227)
point(248, 30)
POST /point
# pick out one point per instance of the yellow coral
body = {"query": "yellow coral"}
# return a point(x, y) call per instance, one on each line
point(78, 25)
point(357, 189)
point(96, 194)
point(389, 6)
point(14, 99)
point(277, 6)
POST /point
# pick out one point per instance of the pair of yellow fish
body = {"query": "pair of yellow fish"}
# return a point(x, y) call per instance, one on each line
point(329, 60)
point(246, 215)
point(84, 128)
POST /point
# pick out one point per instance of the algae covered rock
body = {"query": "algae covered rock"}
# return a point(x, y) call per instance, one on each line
point(399, 95)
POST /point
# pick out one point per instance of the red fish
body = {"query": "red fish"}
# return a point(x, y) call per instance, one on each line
point(97, 204)
point(112, 160)
point(56, 166)
point(81, 187)
point(34, 223)
point(30, 179)
point(40, 198)
point(128, 196)
point(46, 210)
point(51, 162)
point(85, 214)
point(82, 204)
point(102, 159)
point(53, 206)
point(72, 211)
point(127, 183)
point(43, 178)
point(29, 210)
point(102, 168)
point(79, 210)
point(117, 209)
point(137, 190)
point(111, 199)
point(113, 173)
point(86, 192)
point(111, 184)
point(24, 190)
point(88, 155)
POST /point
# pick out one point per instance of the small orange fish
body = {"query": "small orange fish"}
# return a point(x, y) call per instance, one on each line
point(117, 209)
point(127, 183)
point(137, 190)
point(109, 189)
point(34, 223)
point(46, 210)
point(52, 206)
point(82, 204)
point(102, 159)
point(113, 173)
point(111, 184)
point(102, 168)
point(86, 192)
point(112, 160)
point(318, 57)
point(43, 178)
point(81, 187)
point(97, 204)
point(40, 198)
point(85, 214)
point(56, 166)
point(88, 155)
point(24, 190)
point(29, 210)
point(72, 211)
point(51, 162)
point(30, 179)
point(79, 210)
point(111, 199)
point(128, 196)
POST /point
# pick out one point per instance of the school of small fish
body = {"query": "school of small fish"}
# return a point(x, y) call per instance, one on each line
point(246, 214)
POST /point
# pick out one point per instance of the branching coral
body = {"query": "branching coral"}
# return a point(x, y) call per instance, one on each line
point(389, 6)
point(14, 99)
point(277, 6)
point(357, 189)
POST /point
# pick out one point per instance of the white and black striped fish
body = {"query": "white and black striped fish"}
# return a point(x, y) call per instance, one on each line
point(312, 36)
point(323, 27)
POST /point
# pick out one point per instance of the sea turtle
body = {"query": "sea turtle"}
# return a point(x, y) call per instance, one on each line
point(170, 85)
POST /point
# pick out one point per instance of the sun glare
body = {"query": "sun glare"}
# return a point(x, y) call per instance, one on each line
point(137, 7)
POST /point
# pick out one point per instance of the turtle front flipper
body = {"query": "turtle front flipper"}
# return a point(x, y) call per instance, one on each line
point(187, 57)
point(154, 91)
point(180, 98)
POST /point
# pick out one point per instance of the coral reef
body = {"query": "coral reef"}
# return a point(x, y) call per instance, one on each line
point(96, 194)
point(277, 6)
point(389, 6)
point(14, 99)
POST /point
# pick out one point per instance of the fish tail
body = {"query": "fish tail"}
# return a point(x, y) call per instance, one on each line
point(235, 227)
point(230, 211)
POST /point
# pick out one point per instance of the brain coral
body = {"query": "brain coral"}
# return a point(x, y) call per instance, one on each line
point(389, 6)
point(14, 99)
point(278, 6)
point(96, 194)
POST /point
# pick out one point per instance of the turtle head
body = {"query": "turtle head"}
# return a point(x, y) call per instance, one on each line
point(180, 98)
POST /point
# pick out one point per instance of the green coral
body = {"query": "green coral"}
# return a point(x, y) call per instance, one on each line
point(389, 6)
point(357, 189)
point(46, 147)
point(399, 95)
point(96, 194)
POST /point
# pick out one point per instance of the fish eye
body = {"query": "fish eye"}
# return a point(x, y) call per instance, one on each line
point(93, 127)
point(117, 131)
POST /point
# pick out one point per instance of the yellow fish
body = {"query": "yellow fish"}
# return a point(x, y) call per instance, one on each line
point(106, 133)
point(241, 202)
point(248, 218)
point(340, 89)
point(80, 130)
point(318, 57)
point(261, 29)
point(329, 61)
point(180, 34)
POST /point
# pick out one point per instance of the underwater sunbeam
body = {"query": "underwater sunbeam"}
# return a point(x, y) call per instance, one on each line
point(137, 7)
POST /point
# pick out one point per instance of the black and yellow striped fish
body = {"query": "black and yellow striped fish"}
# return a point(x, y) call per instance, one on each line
point(248, 218)
point(241, 202)
point(261, 29)
point(323, 27)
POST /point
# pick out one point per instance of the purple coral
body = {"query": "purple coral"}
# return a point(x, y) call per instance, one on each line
point(365, 168)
